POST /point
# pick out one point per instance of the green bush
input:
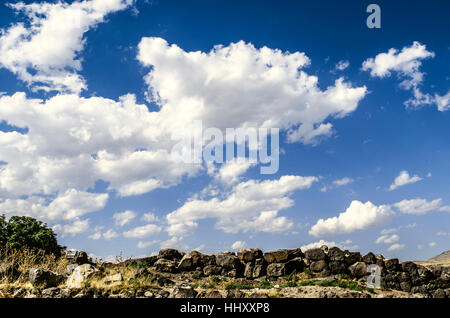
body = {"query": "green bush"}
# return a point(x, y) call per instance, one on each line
point(23, 231)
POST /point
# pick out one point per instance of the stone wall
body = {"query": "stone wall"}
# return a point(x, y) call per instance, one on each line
point(318, 262)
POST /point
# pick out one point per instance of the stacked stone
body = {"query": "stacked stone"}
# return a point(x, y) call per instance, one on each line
point(320, 262)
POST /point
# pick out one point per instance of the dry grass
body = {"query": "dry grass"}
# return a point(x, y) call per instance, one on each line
point(25, 259)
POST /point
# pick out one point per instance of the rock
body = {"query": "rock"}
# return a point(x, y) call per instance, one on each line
point(248, 272)
point(183, 292)
point(114, 278)
point(208, 259)
point(336, 254)
point(405, 286)
point(275, 270)
point(294, 253)
point(166, 265)
point(352, 257)
point(209, 270)
point(359, 269)
point(228, 260)
point(44, 278)
point(439, 293)
point(369, 258)
point(249, 254)
point(295, 265)
point(65, 293)
point(392, 264)
point(318, 266)
point(379, 260)
point(278, 256)
point(149, 294)
point(170, 254)
point(79, 275)
point(50, 292)
point(324, 248)
point(410, 268)
point(190, 261)
point(259, 271)
point(212, 294)
point(70, 268)
point(162, 280)
point(337, 267)
point(315, 254)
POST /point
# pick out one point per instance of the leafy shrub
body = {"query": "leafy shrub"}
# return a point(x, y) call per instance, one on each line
point(22, 231)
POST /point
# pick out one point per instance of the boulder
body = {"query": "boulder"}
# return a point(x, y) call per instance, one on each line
point(324, 248)
point(352, 257)
point(249, 254)
point(170, 254)
point(43, 278)
point(359, 269)
point(275, 270)
point(208, 259)
point(369, 258)
point(79, 275)
point(391, 264)
point(318, 266)
point(70, 268)
point(166, 265)
point(228, 260)
point(190, 261)
point(279, 256)
point(336, 254)
point(183, 292)
point(259, 271)
point(337, 267)
point(248, 271)
point(209, 270)
point(410, 268)
point(295, 265)
point(315, 254)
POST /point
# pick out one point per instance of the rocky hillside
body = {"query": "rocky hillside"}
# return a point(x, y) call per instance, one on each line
point(442, 259)
point(320, 272)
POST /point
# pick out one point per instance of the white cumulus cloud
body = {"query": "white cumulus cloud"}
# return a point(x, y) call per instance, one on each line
point(402, 179)
point(358, 216)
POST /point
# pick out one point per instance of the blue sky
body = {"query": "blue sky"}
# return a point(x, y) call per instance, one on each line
point(84, 145)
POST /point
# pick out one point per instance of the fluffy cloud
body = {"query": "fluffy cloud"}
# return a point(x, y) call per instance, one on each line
point(146, 244)
point(69, 205)
point(403, 179)
point(342, 65)
point(248, 87)
point(238, 245)
point(343, 245)
point(418, 206)
point(230, 171)
point(122, 218)
point(343, 181)
point(44, 51)
point(248, 206)
point(358, 216)
point(143, 231)
point(76, 227)
point(386, 239)
point(110, 234)
point(396, 247)
point(406, 63)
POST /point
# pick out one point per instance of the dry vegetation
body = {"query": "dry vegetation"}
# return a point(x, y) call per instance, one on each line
point(17, 263)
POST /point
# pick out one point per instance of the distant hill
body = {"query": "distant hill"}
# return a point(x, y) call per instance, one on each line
point(442, 259)
point(444, 256)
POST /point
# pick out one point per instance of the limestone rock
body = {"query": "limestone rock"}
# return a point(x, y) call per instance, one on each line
point(359, 269)
point(79, 275)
